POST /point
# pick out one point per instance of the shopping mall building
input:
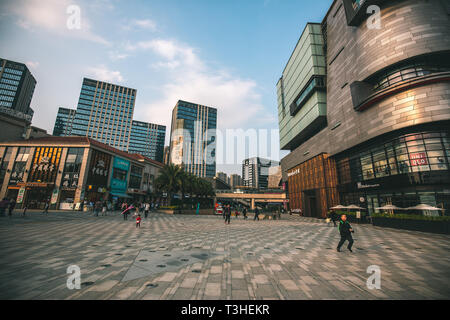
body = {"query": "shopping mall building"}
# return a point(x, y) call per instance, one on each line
point(71, 170)
point(364, 107)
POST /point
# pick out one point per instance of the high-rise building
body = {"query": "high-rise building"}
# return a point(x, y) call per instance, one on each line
point(147, 139)
point(235, 181)
point(255, 172)
point(193, 138)
point(16, 88)
point(64, 122)
point(380, 133)
point(222, 176)
point(105, 113)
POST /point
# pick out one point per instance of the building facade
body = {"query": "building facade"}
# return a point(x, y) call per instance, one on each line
point(255, 172)
point(17, 86)
point(71, 170)
point(147, 139)
point(235, 181)
point(386, 138)
point(64, 122)
point(193, 138)
point(105, 112)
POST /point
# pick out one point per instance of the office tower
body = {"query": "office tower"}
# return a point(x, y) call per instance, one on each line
point(235, 181)
point(222, 176)
point(16, 88)
point(64, 122)
point(255, 172)
point(193, 138)
point(379, 134)
point(147, 139)
point(105, 113)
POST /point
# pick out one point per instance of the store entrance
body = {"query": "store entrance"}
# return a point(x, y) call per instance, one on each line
point(36, 198)
point(311, 203)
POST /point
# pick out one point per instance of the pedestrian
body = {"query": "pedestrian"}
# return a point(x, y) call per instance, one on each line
point(12, 205)
point(25, 207)
point(104, 208)
point(126, 212)
point(244, 213)
point(46, 206)
point(98, 207)
point(138, 221)
point(109, 207)
point(147, 209)
point(224, 212)
point(3, 205)
point(256, 214)
point(236, 213)
point(227, 214)
point(345, 229)
point(334, 217)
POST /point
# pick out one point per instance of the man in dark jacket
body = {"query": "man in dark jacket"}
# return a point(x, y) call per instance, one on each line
point(345, 229)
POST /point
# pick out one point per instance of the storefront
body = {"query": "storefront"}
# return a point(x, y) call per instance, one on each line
point(70, 178)
point(313, 186)
point(42, 176)
point(97, 180)
point(134, 185)
point(119, 180)
point(402, 169)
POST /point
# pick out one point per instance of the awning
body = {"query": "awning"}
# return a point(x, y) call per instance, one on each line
point(121, 195)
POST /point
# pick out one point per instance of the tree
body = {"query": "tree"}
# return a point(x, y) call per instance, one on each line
point(170, 180)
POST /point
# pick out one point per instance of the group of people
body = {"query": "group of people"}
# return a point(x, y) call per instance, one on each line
point(144, 207)
point(227, 214)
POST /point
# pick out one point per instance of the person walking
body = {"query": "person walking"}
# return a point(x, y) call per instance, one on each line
point(46, 206)
point(334, 217)
point(256, 214)
point(345, 229)
point(146, 209)
point(227, 214)
point(104, 208)
point(138, 221)
point(97, 208)
point(126, 212)
point(244, 213)
point(12, 205)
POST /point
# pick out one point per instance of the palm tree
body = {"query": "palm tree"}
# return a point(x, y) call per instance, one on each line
point(169, 180)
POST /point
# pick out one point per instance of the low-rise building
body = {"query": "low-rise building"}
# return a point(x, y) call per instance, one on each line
point(68, 171)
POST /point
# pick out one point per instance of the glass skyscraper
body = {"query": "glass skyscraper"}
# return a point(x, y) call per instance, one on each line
point(147, 139)
point(193, 138)
point(105, 112)
point(16, 89)
point(64, 122)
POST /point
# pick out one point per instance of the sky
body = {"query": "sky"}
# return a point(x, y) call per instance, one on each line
point(227, 54)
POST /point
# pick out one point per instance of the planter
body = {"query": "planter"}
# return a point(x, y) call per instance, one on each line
point(167, 211)
point(442, 227)
point(194, 211)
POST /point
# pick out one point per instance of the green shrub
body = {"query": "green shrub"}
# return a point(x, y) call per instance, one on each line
point(404, 216)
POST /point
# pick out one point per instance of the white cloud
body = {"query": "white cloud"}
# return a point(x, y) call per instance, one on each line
point(114, 55)
point(50, 15)
point(32, 64)
point(102, 73)
point(189, 78)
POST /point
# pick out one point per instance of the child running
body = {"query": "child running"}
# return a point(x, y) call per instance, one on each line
point(138, 221)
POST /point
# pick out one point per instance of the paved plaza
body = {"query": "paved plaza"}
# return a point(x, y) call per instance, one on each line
point(199, 257)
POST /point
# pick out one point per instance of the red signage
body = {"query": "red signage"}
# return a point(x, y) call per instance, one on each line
point(418, 159)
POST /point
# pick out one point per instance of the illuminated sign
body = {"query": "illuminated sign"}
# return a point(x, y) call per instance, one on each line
point(418, 159)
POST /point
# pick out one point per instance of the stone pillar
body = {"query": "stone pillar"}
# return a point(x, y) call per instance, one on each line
point(253, 204)
point(84, 171)
point(12, 160)
point(59, 175)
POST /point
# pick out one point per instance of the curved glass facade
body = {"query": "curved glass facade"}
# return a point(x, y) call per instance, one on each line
point(404, 170)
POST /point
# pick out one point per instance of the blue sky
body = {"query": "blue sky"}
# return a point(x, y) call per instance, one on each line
point(226, 54)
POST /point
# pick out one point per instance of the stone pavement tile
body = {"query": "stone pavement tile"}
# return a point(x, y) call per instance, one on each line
point(167, 277)
point(265, 290)
point(125, 293)
point(260, 278)
point(182, 294)
point(240, 295)
point(213, 289)
point(216, 269)
point(289, 285)
point(237, 274)
point(189, 283)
